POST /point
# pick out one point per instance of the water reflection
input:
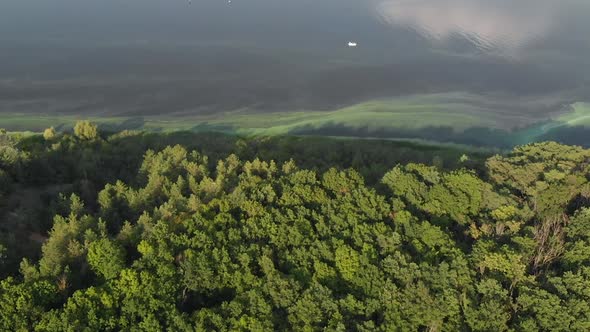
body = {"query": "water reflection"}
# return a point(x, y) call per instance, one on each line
point(494, 25)
point(145, 56)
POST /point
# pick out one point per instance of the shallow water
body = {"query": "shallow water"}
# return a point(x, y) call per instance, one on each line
point(179, 57)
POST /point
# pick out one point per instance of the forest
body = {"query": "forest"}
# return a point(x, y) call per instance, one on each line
point(145, 231)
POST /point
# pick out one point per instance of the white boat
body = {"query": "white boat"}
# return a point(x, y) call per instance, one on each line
point(352, 44)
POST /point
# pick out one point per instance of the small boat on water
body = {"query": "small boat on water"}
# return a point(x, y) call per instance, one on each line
point(352, 44)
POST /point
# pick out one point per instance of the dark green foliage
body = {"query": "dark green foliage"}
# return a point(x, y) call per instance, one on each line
point(266, 235)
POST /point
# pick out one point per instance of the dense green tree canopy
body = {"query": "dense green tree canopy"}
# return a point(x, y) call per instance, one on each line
point(172, 239)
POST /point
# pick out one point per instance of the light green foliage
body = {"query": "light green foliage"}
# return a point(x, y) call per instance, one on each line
point(49, 134)
point(65, 246)
point(407, 185)
point(509, 265)
point(106, 258)
point(9, 154)
point(457, 195)
point(347, 262)
point(88, 310)
point(86, 130)
point(550, 172)
point(552, 178)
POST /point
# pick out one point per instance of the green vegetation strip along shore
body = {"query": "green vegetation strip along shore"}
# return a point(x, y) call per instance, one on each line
point(437, 118)
point(454, 110)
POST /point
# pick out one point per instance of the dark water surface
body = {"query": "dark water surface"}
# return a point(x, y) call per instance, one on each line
point(141, 57)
